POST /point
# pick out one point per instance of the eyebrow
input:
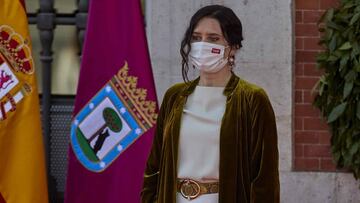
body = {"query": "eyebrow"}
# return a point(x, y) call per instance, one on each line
point(210, 34)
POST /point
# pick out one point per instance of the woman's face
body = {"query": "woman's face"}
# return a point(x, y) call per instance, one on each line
point(208, 30)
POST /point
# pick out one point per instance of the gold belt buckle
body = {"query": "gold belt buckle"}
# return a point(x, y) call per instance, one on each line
point(190, 189)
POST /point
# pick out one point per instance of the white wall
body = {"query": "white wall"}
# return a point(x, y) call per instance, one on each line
point(265, 59)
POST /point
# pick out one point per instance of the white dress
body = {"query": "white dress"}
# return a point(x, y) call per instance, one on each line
point(199, 140)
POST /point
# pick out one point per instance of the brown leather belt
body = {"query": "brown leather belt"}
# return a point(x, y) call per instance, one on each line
point(191, 189)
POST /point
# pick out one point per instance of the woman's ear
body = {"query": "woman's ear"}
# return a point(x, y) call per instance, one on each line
point(233, 50)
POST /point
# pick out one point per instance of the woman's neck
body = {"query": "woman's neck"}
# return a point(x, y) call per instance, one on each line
point(218, 79)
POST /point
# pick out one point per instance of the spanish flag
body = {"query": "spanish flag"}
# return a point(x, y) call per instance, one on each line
point(22, 161)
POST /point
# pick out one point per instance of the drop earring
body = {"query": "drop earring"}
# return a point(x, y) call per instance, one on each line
point(232, 61)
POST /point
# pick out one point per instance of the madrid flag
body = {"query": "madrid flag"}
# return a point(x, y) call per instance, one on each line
point(22, 162)
point(115, 108)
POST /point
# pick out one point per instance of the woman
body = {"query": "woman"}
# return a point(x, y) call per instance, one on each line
point(216, 138)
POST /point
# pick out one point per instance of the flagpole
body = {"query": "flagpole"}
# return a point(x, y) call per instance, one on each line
point(81, 18)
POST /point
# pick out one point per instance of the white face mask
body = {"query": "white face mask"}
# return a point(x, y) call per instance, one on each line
point(207, 57)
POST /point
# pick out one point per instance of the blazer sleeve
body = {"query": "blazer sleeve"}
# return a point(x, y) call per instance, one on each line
point(151, 174)
point(265, 186)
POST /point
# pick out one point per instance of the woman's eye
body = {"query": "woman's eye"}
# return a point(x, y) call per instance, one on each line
point(195, 38)
point(213, 39)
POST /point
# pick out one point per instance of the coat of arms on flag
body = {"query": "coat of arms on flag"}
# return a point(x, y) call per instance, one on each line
point(15, 56)
point(111, 121)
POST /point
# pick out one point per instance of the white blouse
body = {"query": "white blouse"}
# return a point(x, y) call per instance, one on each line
point(199, 140)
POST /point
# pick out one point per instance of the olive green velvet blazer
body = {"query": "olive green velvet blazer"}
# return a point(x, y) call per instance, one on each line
point(248, 146)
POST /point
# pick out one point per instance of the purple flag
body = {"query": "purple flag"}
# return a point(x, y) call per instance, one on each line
point(115, 109)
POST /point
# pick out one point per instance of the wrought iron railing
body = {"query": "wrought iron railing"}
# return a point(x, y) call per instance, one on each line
point(56, 110)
